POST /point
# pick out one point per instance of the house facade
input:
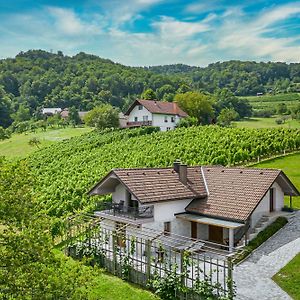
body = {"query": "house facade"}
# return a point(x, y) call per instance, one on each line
point(164, 115)
point(209, 203)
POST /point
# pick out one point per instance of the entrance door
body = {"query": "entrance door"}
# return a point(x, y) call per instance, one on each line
point(194, 230)
point(271, 200)
point(215, 234)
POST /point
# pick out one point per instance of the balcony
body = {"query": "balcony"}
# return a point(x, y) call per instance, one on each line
point(119, 212)
point(139, 123)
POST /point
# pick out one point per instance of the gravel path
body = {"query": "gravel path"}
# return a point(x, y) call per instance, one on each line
point(253, 276)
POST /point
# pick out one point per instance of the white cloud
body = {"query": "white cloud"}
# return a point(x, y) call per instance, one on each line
point(223, 35)
point(247, 37)
point(68, 23)
point(171, 28)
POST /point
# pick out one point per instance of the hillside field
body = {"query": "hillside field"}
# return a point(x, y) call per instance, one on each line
point(17, 145)
point(65, 171)
point(271, 101)
point(266, 123)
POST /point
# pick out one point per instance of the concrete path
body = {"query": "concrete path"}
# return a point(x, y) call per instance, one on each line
point(253, 276)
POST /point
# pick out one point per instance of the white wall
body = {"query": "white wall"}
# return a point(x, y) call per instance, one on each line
point(119, 193)
point(139, 114)
point(159, 121)
point(165, 212)
point(264, 206)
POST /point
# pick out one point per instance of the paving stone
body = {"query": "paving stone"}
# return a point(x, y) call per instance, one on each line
point(253, 277)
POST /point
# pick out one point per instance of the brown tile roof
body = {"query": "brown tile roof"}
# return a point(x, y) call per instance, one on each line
point(159, 107)
point(161, 184)
point(221, 192)
point(233, 193)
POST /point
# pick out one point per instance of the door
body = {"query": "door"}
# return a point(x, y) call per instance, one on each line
point(271, 200)
point(194, 234)
point(215, 234)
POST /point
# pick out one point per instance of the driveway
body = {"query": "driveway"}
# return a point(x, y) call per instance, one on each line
point(253, 276)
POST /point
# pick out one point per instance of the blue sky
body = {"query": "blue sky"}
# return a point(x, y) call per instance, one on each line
point(154, 32)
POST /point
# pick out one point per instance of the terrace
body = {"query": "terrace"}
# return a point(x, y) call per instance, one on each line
point(119, 211)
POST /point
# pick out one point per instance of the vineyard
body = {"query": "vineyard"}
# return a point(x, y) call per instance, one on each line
point(65, 171)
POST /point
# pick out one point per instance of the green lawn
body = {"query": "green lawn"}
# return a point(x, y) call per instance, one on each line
point(17, 145)
point(266, 123)
point(291, 166)
point(105, 286)
point(288, 278)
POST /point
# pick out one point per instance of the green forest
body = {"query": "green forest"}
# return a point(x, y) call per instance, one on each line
point(36, 79)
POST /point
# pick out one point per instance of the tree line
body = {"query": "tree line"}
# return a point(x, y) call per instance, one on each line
point(36, 79)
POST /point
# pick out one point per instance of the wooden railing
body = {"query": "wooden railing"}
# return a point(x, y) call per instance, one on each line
point(139, 123)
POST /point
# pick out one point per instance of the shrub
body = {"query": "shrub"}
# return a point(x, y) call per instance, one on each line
point(4, 133)
point(261, 238)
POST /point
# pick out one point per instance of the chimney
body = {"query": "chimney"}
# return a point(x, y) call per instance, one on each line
point(176, 165)
point(183, 173)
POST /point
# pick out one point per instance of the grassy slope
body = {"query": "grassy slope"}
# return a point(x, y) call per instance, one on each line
point(288, 278)
point(17, 145)
point(271, 101)
point(266, 123)
point(290, 165)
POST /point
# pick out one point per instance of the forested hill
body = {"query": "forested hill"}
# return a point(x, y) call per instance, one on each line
point(38, 78)
point(243, 78)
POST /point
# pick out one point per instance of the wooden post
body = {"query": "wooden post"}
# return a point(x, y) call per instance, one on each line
point(148, 257)
point(114, 244)
point(182, 267)
point(230, 279)
point(291, 202)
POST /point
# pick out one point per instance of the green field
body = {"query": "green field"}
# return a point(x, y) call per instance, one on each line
point(17, 145)
point(291, 166)
point(266, 123)
point(271, 101)
point(288, 278)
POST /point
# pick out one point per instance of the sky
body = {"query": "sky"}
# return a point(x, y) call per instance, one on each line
point(154, 32)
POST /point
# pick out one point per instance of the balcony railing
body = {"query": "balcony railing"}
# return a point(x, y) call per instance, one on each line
point(118, 209)
point(139, 123)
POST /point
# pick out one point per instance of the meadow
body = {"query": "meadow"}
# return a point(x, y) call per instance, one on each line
point(271, 101)
point(18, 147)
point(266, 123)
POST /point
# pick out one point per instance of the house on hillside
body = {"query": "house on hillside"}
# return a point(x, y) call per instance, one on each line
point(123, 120)
point(65, 114)
point(51, 111)
point(223, 205)
point(164, 115)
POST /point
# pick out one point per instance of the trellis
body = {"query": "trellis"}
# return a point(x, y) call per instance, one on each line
point(139, 255)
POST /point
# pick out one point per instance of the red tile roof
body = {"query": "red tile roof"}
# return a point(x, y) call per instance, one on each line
point(159, 107)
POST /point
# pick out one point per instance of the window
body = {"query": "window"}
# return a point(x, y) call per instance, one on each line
point(167, 228)
point(172, 119)
point(135, 119)
point(168, 128)
point(140, 107)
point(166, 119)
point(145, 118)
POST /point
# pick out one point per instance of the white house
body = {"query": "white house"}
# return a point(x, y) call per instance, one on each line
point(164, 115)
point(210, 203)
point(51, 111)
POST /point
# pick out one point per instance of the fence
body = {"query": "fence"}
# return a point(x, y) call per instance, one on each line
point(143, 256)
